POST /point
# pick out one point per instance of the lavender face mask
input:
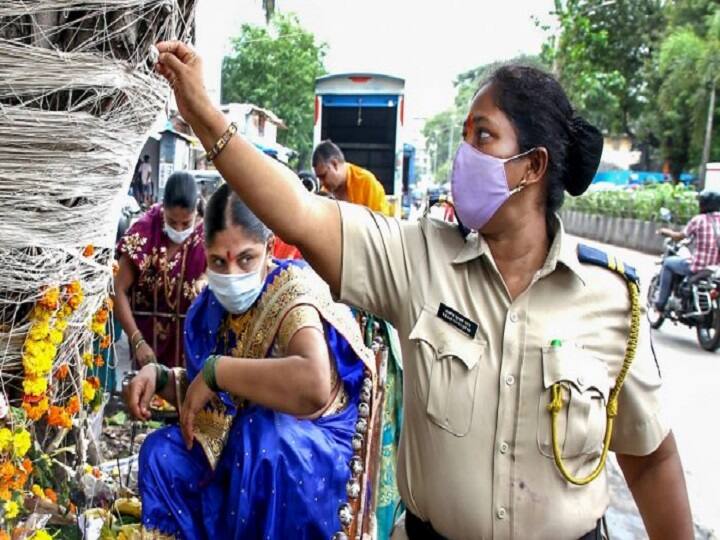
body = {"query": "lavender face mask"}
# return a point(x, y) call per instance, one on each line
point(479, 185)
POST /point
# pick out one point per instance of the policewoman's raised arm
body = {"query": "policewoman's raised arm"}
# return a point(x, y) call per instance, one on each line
point(269, 189)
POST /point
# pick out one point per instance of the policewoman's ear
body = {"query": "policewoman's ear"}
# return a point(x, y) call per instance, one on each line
point(537, 165)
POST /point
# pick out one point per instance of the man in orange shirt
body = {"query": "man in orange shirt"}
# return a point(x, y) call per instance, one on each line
point(348, 182)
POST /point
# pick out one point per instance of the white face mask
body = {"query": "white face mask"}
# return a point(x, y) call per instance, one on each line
point(236, 292)
point(178, 237)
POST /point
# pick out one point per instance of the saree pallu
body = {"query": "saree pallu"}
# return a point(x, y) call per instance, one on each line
point(165, 287)
point(270, 475)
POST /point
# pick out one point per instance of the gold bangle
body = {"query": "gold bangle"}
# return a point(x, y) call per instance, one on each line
point(222, 142)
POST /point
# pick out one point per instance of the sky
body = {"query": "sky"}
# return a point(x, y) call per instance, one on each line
point(427, 42)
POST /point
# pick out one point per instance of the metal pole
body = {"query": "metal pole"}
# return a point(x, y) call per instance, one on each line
point(708, 136)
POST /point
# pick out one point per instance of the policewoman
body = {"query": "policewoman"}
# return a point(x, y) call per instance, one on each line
point(525, 361)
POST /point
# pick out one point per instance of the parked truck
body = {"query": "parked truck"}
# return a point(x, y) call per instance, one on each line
point(364, 113)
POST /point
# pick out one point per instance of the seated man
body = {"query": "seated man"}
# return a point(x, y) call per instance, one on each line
point(704, 230)
point(287, 380)
point(348, 182)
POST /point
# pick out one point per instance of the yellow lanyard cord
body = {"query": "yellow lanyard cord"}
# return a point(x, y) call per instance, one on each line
point(556, 402)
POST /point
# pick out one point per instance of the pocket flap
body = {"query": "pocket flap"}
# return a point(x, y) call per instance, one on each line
point(574, 365)
point(446, 340)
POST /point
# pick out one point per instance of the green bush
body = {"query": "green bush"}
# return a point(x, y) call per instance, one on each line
point(642, 203)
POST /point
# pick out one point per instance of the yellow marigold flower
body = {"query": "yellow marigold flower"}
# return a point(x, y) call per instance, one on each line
point(35, 386)
point(39, 330)
point(61, 324)
point(5, 439)
point(36, 365)
point(56, 336)
point(21, 442)
point(11, 510)
point(88, 359)
point(41, 535)
point(88, 391)
point(98, 328)
point(38, 491)
point(65, 312)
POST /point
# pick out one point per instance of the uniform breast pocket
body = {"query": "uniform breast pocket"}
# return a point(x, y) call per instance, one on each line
point(585, 387)
point(454, 366)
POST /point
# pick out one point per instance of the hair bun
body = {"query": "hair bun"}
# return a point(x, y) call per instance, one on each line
point(584, 154)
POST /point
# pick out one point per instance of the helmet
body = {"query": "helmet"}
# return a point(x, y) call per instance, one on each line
point(309, 181)
point(709, 201)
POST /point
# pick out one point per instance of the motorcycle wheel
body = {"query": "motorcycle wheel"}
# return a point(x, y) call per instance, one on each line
point(708, 332)
point(655, 318)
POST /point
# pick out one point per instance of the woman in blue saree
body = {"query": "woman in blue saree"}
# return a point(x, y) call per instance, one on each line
point(277, 406)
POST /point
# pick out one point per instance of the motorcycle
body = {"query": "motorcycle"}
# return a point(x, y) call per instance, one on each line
point(693, 300)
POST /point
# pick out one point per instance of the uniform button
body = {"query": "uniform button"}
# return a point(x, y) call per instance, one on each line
point(509, 380)
point(501, 513)
point(513, 317)
point(504, 447)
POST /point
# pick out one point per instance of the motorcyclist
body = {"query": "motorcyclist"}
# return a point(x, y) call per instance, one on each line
point(704, 231)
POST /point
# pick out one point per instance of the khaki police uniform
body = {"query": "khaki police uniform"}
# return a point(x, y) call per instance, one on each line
point(476, 457)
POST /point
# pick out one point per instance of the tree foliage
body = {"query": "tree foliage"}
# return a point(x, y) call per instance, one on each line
point(600, 56)
point(641, 68)
point(688, 64)
point(276, 68)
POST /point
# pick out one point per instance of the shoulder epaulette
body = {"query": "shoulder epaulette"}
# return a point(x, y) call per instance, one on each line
point(591, 255)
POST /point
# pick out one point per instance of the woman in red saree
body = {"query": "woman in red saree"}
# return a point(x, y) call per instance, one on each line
point(161, 269)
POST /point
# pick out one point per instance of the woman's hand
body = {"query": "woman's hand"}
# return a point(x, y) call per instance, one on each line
point(182, 67)
point(139, 393)
point(197, 396)
point(145, 355)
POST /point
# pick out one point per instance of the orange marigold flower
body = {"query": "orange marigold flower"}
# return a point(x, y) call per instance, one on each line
point(50, 494)
point(35, 409)
point(73, 405)
point(74, 301)
point(27, 465)
point(105, 342)
point(18, 483)
point(96, 472)
point(74, 287)
point(50, 298)
point(4, 535)
point(59, 417)
point(62, 372)
point(89, 250)
point(5, 494)
point(7, 471)
point(94, 381)
point(99, 361)
point(102, 315)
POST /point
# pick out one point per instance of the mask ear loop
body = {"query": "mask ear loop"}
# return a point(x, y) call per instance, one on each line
point(522, 185)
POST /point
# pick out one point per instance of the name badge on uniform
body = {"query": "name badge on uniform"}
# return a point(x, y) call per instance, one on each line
point(459, 321)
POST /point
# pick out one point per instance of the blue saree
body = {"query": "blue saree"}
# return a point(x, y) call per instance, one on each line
point(258, 473)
